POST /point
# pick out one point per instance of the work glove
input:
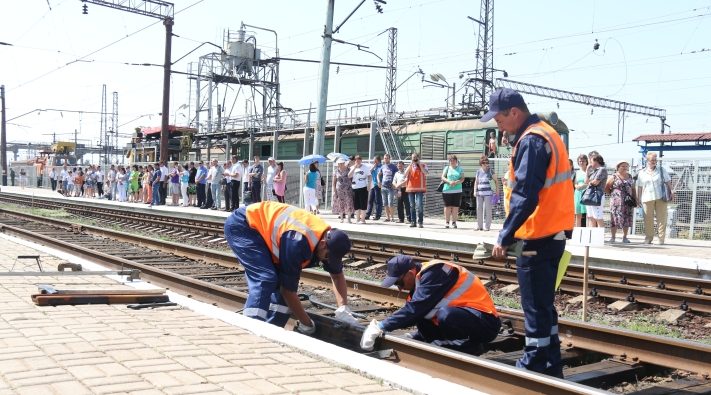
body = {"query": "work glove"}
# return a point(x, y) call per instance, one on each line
point(372, 332)
point(305, 329)
point(344, 314)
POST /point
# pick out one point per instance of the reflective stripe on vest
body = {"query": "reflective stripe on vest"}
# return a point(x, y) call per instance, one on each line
point(468, 291)
point(285, 219)
point(272, 219)
point(554, 212)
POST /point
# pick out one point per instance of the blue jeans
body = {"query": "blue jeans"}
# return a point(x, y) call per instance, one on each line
point(536, 278)
point(417, 208)
point(156, 194)
point(375, 198)
point(264, 301)
point(216, 190)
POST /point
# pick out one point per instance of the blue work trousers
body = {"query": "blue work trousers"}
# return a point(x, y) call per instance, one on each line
point(264, 301)
point(417, 206)
point(459, 328)
point(375, 198)
point(536, 279)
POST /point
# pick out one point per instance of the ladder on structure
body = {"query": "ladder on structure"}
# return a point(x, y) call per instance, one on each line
point(391, 141)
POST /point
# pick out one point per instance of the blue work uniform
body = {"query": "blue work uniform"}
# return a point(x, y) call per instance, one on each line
point(536, 274)
point(264, 278)
point(458, 328)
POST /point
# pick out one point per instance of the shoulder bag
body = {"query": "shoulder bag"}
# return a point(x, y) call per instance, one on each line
point(591, 197)
point(666, 191)
point(440, 188)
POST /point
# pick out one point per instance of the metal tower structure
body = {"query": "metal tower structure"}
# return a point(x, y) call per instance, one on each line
point(391, 74)
point(243, 63)
point(480, 85)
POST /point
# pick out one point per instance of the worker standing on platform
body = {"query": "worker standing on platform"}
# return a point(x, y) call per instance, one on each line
point(449, 305)
point(540, 216)
point(274, 242)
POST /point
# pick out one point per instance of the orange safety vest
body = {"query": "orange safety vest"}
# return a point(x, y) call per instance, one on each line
point(272, 219)
point(555, 211)
point(468, 291)
point(416, 180)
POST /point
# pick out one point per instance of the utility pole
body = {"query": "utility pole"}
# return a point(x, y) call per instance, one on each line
point(3, 137)
point(161, 10)
point(320, 132)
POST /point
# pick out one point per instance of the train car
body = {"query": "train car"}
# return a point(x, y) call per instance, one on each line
point(37, 169)
point(145, 145)
point(469, 139)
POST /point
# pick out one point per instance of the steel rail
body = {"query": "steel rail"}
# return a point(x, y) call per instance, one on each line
point(676, 354)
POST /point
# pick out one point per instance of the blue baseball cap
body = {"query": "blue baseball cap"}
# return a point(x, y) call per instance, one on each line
point(338, 244)
point(397, 266)
point(502, 99)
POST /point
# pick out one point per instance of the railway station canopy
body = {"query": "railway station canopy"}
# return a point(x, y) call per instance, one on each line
point(674, 142)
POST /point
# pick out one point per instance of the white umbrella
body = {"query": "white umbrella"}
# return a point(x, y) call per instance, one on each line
point(334, 156)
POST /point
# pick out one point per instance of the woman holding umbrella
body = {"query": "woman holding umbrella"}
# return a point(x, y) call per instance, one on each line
point(311, 180)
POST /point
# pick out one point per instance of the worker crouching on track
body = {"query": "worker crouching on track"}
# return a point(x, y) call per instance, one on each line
point(274, 241)
point(449, 305)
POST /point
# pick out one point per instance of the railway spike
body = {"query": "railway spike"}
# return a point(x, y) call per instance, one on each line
point(684, 306)
point(370, 259)
point(455, 257)
point(630, 297)
point(418, 253)
point(661, 285)
point(436, 255)
point(698, 290)
point(593, 292)
point(493, 277)
point(507, 265)
point(623, 280)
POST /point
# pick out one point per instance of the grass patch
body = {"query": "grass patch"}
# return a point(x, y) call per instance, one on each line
point(507, 301)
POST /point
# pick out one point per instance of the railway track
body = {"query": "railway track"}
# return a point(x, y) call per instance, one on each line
point(597, 355)
point(648, 289)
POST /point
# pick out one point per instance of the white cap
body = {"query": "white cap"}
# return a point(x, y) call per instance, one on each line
point(340, 160)
point(270, 158)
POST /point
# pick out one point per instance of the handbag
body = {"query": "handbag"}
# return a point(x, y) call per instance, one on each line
point(440, 187)
point(630, 201)
point(591, 197)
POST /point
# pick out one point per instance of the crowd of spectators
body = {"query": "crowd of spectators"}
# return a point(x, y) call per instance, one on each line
point(201, 184)
point(649, 190)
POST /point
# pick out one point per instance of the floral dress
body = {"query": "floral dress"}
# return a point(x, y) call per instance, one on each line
point(620, 213)
point(343, 197)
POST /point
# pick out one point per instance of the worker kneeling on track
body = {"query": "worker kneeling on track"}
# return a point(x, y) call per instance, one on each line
point(449, 305)
point(274, 241)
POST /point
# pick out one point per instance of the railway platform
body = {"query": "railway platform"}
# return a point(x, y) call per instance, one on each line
point(190, 348)
point(690, 258)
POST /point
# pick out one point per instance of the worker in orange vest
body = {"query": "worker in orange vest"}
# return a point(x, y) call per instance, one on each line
point(448, 304)
point(540, 216)
point(274, 242)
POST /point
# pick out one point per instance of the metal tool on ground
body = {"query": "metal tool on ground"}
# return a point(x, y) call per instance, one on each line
point(322, 305)
point(36, 258)
point(480, 252)
point(131, 274)
point(50, 296)
point(139, 306)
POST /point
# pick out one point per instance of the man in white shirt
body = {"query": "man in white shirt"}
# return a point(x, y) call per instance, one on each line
point(245, 179)
point(236, 175)
point(270, 173)
point(209, 202)
point(53, 179)
point(63, 179)
point(99, 181)
point(163, 182)
point(227, 173)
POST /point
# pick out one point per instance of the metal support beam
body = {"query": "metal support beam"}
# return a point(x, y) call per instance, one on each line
point(164, 132)
point(320, 132)
point(3, 136)
point(391, 74)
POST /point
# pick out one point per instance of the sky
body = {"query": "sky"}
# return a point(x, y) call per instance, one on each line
point(651, 53)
